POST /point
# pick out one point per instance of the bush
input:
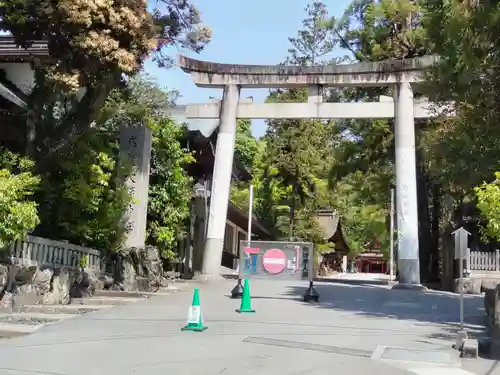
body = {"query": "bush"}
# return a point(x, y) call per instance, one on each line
point(18, 213)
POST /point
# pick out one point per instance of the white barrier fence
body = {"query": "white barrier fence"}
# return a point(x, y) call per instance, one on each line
point(484, 261)
point(36, 251)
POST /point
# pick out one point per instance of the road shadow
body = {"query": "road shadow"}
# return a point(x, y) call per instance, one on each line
point(432, 307)
point(287, 298)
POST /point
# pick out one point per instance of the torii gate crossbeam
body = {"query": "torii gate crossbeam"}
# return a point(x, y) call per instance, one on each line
point(400, 74)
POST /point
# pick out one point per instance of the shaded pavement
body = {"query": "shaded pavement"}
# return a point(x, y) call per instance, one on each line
point(284, 336)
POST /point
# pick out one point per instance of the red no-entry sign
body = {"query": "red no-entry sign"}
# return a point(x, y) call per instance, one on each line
point(274, 261)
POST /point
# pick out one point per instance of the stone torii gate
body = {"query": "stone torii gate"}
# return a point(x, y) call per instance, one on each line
point(399, 74)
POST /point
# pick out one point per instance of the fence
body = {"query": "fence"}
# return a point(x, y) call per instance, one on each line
point(36, 251)
point(482, 261)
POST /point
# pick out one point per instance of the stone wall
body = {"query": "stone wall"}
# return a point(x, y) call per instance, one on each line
point(492, 308)
point(21, 285)
point(476, 285)
point(131, 270)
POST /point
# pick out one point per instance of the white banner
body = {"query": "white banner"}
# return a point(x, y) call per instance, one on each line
point(194, 315)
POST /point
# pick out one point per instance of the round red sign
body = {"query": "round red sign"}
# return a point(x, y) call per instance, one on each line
point(274, 261)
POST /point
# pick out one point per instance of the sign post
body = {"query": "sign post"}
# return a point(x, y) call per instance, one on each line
point(279, 260)
point(391, 244)
point(461, 252)
point(237, 291)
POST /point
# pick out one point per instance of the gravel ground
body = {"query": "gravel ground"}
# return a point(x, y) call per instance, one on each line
point(11, 335)
point(25, 321)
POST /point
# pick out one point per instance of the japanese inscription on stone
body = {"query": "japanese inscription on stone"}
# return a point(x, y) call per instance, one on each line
point(135, 151)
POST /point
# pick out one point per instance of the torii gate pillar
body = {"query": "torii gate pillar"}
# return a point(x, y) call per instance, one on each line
point(406, 187)
point(221, 183)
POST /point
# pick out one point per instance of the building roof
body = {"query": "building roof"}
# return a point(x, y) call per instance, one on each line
point(240, 218)
point(206, 131)
point(11, 52)
point(329, 221)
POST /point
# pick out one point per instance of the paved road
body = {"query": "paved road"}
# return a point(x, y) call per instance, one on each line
point(285, 336)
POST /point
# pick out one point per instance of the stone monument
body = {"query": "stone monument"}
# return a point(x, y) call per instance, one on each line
point(135, 153)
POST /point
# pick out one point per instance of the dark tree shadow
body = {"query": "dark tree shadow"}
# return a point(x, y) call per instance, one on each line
point(431, 307)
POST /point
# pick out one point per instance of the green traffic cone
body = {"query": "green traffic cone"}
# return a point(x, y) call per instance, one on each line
point(246, 300)
point(195, 316)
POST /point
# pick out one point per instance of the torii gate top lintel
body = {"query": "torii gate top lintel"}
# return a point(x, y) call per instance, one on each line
point(380, 73)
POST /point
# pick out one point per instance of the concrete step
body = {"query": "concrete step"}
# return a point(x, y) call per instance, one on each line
point(32, 318)
point(105, 300)
point(117, 293)
point(8, 330)
point(63, 309)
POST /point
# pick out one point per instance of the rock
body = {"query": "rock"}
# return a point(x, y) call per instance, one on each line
point(60, 291)
point(6, 303)
point(25, 275)
point(470, 286)
point(94, 279)
point(86, 283)
point(493, 303)
point(5, 296)
point(128, 281)
point(106, 280)
point(124, 275)
point(42, 279)
point(135, 268)
point(172, 275)
point(470, 348)
point(25, 294)
point(142, 283)
point(489, 284)
point(462, 336)
point(489, 305)
point(31, 285)
point(3, 275)
point(484, 344)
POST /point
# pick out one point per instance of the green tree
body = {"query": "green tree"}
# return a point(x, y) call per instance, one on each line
point(464, 149)
point(245, 148)
point(363, 162)
point(82, 200)
point(170, 192)
point(91, 45)
point(296, 149)
point(170, 186)
point(488, 202)
point(18, 210)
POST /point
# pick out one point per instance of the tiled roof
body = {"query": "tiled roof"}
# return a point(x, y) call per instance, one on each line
point(10, 51)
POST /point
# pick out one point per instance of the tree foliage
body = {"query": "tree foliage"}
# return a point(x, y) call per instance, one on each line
point(296, 149)
point(246, 148)
point(145, 102)
point(91, 45)
point(18, 210)
point(81, 198)
point(84, 198)
point(170, 191)
point(488, 203)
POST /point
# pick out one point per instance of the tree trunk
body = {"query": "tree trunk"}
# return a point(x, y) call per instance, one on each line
point(292, 216)
point(424, 228)
point(434, 251)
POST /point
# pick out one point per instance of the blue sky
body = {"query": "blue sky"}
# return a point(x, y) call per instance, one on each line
point(245, 32)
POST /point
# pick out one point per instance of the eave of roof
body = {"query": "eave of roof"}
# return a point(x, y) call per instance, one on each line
point(11, 96)
point(257, 227)
point(11, 52)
